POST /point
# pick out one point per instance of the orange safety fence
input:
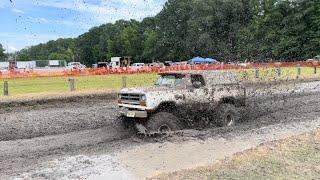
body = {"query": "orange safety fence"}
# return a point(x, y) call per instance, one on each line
point(146, 69)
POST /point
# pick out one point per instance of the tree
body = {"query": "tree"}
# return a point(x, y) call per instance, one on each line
point(171, 29)
point(131, 40)
point(149, 51)
point(236, 30)
point(2, 54)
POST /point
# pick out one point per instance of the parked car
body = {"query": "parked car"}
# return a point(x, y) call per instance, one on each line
point(168, 63)
point(103, 64)
point(156, 65)
point(3, 69)
point(75, 66)
point(316, 58)
point(137, 65)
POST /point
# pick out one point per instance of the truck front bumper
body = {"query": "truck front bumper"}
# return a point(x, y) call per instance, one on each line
point(133, 114)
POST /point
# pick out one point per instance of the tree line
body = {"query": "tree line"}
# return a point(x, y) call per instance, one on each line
point(228, 30)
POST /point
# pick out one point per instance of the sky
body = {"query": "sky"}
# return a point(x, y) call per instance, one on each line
point(29, 22)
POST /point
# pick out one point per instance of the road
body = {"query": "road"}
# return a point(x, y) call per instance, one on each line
point(83, 140)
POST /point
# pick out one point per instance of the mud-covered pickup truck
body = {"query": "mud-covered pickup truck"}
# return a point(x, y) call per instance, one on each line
point(213, 95)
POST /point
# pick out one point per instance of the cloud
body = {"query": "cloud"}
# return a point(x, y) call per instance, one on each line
point(110, 10)
point(18, 41)
point(33, 20)
point(64, 22)
point(11, 49)
point(64, 18)
point(17, 11)
point(42, 19)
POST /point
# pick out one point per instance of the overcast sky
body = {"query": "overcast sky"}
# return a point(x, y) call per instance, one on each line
point(29, 22)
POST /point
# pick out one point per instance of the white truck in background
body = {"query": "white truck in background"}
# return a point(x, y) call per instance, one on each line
point(117, 62)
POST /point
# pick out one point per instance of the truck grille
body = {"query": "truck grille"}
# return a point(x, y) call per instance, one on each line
point(133, 99)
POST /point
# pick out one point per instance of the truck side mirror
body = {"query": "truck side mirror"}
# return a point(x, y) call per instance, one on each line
point(197, 84)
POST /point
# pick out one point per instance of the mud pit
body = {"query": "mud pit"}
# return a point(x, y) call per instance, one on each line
point(91, 137)
point(55, 118)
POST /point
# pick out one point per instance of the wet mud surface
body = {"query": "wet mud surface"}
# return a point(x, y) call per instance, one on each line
point(30, 135)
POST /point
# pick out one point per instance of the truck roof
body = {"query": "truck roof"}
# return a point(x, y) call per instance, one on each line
point(215, 77)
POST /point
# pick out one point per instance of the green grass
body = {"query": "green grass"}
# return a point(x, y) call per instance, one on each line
point(23, 86)
point(271, 73)
point(285, 73)
point(298, 163)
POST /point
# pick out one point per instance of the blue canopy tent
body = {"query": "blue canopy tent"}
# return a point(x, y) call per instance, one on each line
point(201, 60)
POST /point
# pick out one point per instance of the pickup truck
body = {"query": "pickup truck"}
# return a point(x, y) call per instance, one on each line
point(164, 106)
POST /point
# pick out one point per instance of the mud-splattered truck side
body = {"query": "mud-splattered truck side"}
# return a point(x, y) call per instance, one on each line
point(215, 95)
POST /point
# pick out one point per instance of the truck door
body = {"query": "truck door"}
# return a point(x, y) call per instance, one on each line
point(198, 91)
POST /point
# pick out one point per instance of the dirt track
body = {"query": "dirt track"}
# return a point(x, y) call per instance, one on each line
point(33, 120)
point(92, 139)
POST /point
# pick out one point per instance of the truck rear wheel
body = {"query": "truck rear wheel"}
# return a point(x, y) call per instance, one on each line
point(227, 115)
point(163, 122)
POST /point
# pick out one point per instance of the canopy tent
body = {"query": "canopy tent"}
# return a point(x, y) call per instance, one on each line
point(201, 60)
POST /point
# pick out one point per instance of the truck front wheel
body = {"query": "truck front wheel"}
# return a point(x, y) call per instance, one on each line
point(163, 122)
point(227, 115)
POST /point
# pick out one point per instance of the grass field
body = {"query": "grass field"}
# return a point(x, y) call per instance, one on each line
point(292, 158)
point(285, 73)
point(60, 84)
point(25, 86)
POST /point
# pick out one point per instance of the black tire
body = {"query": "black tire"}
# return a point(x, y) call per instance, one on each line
point(124, 123)
point(163, 122)
point(227, 115)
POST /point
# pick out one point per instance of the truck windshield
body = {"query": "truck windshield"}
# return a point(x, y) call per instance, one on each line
point(170, 80)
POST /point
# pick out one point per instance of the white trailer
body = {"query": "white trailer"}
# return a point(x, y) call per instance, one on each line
point(117, 62)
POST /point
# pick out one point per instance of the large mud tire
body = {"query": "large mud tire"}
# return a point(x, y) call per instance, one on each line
point(124, 123)
point(163, 122)
point(227, 115)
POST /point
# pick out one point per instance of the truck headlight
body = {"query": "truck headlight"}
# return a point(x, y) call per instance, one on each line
point(119, 98)
point(143, 98)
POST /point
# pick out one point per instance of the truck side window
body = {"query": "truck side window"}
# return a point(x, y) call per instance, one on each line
point(197, 77)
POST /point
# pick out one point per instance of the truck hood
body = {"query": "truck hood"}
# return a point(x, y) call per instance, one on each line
point(145, 90)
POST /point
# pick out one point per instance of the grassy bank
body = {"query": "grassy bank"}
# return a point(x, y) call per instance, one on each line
point(83, 83)
point(292, 158)
point(283, 73)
